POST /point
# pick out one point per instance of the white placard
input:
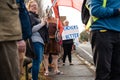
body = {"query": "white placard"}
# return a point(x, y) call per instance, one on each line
point(70, 32)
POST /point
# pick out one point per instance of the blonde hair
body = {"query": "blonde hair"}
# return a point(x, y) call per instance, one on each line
point(29, 3)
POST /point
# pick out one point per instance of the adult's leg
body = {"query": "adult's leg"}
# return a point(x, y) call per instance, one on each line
point(21, 50)
point(21, 60)
point(102, 53)
point(9, 61)
point(115, 66)
point(69, 53)
point(39, 48)
point(55, 62)
point(46, 63)
point(65, 52)
point(46, 57)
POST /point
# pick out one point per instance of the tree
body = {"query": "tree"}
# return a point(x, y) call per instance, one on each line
point(84, 36)
point(40, 5)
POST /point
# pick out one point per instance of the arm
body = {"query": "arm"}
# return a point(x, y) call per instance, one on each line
point(35, 23)
point(98, 11)
point(37, 27)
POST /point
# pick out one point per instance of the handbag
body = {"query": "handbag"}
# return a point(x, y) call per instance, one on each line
point(30, 52)
point(58, 37)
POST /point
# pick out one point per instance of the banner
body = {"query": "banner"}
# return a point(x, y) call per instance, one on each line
point(56, 12)
point(70, 32)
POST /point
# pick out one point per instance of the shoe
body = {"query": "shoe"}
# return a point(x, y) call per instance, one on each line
point(71, 64)
point(46, 73)
point(63, 64)
point(58, 73)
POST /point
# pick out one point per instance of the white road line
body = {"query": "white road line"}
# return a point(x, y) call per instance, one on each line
point(86, 52)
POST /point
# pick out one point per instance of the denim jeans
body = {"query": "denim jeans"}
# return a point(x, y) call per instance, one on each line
point(39, 49)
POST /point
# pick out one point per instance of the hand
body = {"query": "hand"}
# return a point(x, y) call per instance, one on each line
point(43, 21)
point(116, 12)
point(21, 46)
point(119, 10)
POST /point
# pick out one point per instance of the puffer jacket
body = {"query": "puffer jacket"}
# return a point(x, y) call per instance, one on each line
point(10, 28)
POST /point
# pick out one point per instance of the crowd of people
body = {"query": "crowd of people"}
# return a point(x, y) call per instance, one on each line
point(13, 46)
point(105, 35)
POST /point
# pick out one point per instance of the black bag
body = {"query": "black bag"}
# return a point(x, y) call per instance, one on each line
point(30, 52)
point(44, 33)
point(85, 15)
point(58, 37)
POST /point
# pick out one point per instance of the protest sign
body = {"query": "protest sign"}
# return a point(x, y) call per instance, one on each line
point(70, 32)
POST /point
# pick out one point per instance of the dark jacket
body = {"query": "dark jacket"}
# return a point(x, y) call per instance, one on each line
point(108, 17)
point(44, 30)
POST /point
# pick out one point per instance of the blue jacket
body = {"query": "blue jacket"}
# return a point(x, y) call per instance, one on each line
point(109, 17)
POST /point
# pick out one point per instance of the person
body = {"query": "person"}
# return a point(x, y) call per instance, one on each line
point(37, 40)
point(21, 50)
point(10, 33)
point(67, 46)
point(52, 48)
point(105, 38)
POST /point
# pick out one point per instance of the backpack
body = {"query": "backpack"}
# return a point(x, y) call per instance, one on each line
point(86, 18)
point(85, 15)
point(25, 20)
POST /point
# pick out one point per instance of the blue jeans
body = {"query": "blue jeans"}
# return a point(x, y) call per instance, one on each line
point(39, 49)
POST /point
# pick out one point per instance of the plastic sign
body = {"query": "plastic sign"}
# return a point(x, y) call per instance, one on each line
point(70, 32)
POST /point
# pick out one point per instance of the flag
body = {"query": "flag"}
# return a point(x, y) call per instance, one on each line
point(55, 8)
point(77, 4)
point(56, 12)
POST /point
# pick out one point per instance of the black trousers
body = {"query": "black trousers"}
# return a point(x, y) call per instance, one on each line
point(106, 54)
point(67, 51)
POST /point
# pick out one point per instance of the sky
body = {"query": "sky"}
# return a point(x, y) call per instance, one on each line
point(72, 15)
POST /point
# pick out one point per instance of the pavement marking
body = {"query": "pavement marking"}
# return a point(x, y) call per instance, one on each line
point(86, 52)
point(91, 66)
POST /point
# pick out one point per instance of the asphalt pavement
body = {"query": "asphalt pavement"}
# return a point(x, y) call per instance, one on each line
point(79, 71)
point(85, 51)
